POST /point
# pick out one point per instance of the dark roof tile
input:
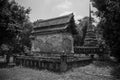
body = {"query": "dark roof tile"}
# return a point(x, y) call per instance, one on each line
point(63, 23)
point(55, 21)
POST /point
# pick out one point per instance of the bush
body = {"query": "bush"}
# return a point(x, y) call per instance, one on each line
point(116, 72)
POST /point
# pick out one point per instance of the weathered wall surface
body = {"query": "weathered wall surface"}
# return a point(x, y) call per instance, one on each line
point(62, 42)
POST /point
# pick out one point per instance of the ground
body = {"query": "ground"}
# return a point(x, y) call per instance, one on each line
point(89, 72)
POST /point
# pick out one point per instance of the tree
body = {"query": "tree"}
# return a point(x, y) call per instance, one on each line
point(109, 13)
point(23, 42)
point(13, 19)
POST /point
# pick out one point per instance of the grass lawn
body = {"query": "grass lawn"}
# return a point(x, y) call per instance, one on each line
point(89, 72)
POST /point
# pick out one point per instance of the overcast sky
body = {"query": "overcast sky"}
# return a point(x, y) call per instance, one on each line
point(45, 9)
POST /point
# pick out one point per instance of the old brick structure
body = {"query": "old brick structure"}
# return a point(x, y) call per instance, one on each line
point(54, 35)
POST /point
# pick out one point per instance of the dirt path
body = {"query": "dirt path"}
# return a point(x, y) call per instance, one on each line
point(89, 72)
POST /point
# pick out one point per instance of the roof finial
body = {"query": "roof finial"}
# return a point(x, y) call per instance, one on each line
point(90, 17)
point(90, 13)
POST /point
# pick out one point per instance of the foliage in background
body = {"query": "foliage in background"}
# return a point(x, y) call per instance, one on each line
point(15, 27)
point(109, 14)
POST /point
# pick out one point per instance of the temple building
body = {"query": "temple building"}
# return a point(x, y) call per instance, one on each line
point(54, 35)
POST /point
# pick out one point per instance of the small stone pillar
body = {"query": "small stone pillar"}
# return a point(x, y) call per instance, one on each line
point(63, 65)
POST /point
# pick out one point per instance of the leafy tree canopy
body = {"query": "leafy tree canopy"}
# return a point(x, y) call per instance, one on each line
point(109, 13)
point(14, 24)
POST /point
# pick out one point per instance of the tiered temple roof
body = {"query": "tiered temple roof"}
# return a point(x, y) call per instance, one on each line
point(59, 24)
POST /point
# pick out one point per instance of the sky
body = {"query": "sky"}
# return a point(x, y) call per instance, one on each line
point(45, 9)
